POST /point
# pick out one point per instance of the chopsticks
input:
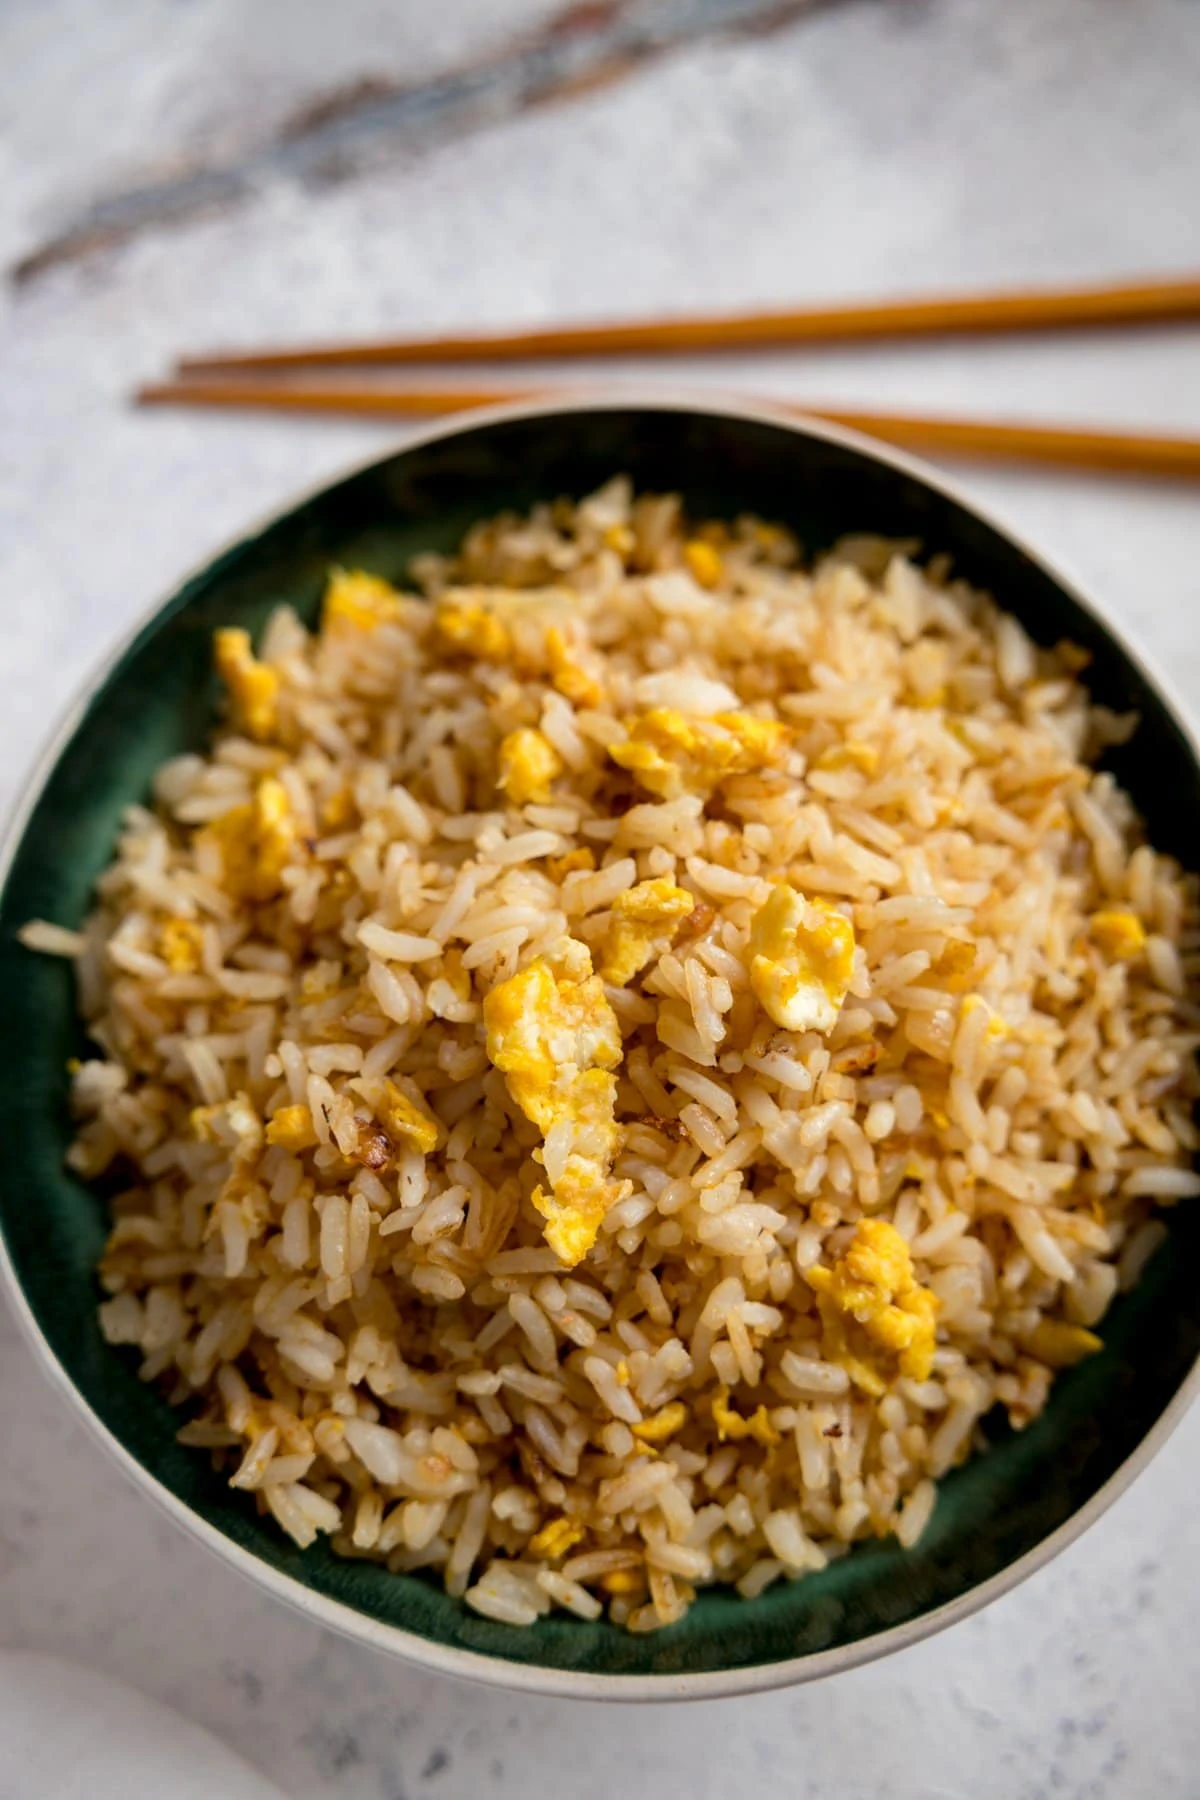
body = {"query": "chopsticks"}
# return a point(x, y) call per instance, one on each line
point(1038, 309)
point(1125, 453)
point(231, 378)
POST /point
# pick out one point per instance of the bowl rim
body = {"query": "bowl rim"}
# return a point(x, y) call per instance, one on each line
point(394, 1640)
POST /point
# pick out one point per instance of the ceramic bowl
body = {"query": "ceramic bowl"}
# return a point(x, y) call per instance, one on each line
point(999, 1517)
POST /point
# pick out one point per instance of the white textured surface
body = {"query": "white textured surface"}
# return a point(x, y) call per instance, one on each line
point(867, 149)
point(68, 1732)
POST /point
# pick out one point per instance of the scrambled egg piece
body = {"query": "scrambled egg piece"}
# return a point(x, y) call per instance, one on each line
point(181, 945)
point(801, 960)
point(253, 686)
point(644, 921)
point(338, 810)
point(1118, 933)
point(663, 1424)
point(466, 625)
point(732, 1424)
point(672, 754)
point(703, 562)
point(256, 842)
point(552, 1032)
point(232, 1124)
point(528, 764)
point(850, 755)
point(1061, 1345)
point(874, 1284)
point(568, 676)
point(957, 958)
point(292, 1128)
point(275, 829)
point(559, 867)
point(362, 600)
point(403, 1118)
point(555, 1539)
point(623, 1581)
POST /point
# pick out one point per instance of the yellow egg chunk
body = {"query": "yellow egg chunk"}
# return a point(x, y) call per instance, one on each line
point(569, 677)
point(623, 1581)
point(873, 1283)
point(644, 921)
point(558, 867)
point(703, 562)
point(574, 1213)
point(233, 1124)
point(292, 1129)
point(275, 834)
point(232, 836)
point(956, 959)
point(1118, 933)
point(554, 1540)
point(733, 1426)
point(201, 1120)
point(469, 627)
point(255, 841)
point(672, 754)
point(801, 960)
point(850, 755)
point(253, 686)
point(661, 1425)
point(361, 600)
point(338, 810)
point(181, 945)
point(402, 1118)
point(554, 1035)
point(528, 764)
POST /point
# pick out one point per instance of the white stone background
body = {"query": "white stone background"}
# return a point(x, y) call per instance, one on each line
point(860, 149)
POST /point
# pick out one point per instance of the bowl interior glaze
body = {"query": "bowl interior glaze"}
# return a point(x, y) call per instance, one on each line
point(158, 699)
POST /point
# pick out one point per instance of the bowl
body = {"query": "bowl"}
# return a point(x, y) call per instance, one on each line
point(998, 1518)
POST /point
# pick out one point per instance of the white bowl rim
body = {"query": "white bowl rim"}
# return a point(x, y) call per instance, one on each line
point(394, 1640)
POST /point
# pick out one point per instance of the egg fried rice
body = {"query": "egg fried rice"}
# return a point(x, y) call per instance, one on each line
point(619, 1065)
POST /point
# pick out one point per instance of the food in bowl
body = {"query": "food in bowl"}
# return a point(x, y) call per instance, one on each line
point(622, 1068)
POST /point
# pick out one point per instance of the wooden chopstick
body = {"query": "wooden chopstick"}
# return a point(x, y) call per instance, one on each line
point(1032, 310)
point(1125, 453)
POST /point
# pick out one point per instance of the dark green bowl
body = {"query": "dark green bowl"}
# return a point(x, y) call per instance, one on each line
point(998, 1518)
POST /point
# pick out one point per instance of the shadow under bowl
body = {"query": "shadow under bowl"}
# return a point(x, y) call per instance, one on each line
point(998, 1517)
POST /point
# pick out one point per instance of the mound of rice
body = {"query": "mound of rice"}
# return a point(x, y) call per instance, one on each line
point(585, 1289)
